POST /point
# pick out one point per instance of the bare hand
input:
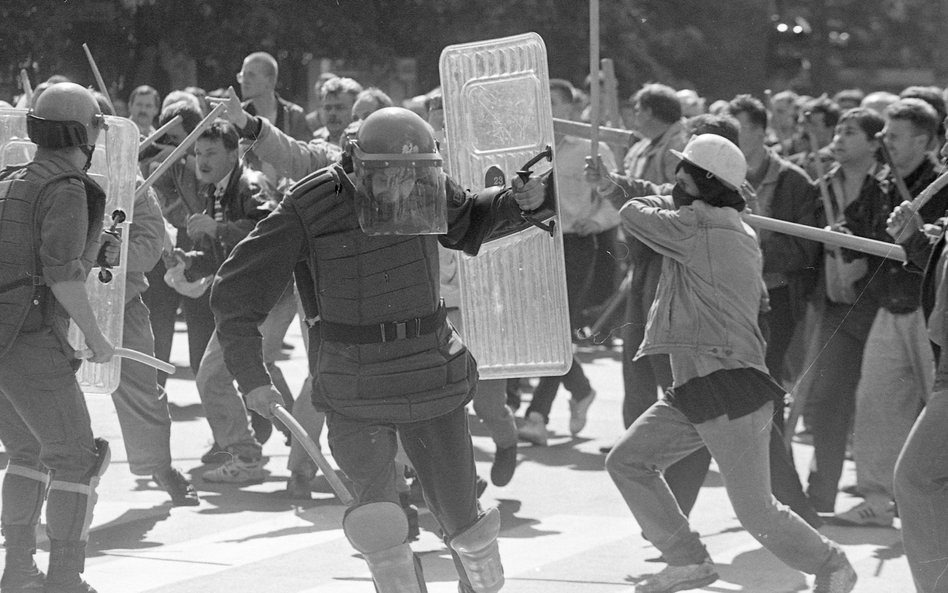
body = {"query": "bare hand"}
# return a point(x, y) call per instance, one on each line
point(261, 398)
point(596, 174)
point(585, 227)
point(235, 113)
point(201, 224)
point(100, 350)
point(902, 218)
point(113, 248)
point(529, 196)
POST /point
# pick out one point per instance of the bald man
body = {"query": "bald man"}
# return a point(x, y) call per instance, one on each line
point(258, 80)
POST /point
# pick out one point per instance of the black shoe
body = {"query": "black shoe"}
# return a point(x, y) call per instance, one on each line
point(480, 485)
point(298, 487)
point(216, 454)
point(174, 483)
point(262, 428)
point(20, 575)
point(505, 462)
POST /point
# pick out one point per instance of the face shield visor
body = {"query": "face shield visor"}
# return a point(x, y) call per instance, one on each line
point(400, 194)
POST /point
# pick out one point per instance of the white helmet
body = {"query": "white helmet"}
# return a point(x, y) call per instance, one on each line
point(718, 156)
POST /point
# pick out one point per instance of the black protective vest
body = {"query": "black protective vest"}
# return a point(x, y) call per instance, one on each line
point(358, 279)
point(22, 293)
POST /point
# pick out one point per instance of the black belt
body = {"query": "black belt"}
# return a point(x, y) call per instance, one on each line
point(388, 331)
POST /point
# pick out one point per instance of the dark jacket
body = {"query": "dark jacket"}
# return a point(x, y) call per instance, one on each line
point(248, 198)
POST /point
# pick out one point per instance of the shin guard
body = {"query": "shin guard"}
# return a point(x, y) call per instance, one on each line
point(479, 553)
point(378, 530)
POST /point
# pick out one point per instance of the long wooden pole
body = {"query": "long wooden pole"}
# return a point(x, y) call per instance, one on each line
point(594, 80)
point(159, 132)
point(27, 87)
point(179, 150)
point(836, 239)
point(584, 130)
point(98, 78)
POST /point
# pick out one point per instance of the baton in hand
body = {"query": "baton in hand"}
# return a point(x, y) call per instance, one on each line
point(313, 450)
point(165, 367)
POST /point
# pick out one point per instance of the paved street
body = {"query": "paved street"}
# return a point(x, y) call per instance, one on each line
point(565, 527)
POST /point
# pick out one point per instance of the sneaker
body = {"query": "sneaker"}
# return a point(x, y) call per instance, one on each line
point(577, 412)
point(505, 462)
point(533, 429)
point(679, 578)
point(867, 514)
point(836, 576)
point(238, 471)
point(216, 454)
point(174, 483)
point(298, 486)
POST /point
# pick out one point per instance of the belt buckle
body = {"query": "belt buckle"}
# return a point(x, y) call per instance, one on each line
point(400, 330)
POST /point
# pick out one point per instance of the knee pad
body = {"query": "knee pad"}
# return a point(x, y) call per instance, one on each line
point(378, 530)
point(479, 553)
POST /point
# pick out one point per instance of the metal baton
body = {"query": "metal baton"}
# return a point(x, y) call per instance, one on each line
point(313, 449)
point(165, 367)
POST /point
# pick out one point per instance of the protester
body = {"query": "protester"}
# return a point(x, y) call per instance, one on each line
point(336, 98)
point(144, 104)
point(722, 396)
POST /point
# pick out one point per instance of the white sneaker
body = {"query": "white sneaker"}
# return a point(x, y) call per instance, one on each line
point(577, 412)
point(533, 429)
point(679, 578)
point(868, 514)
point(238, 471)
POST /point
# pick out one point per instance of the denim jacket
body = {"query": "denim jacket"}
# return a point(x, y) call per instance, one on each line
point(710, 288)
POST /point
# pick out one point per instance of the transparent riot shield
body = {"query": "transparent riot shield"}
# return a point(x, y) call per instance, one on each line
point(513, 293)
point(114, 168)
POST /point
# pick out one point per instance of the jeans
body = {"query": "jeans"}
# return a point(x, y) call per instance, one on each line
point(224, 408)
point(440, 450)
point(142, 413)
point(45, 425)
point(897, 375)
point(831, 395)
point(662, 436)
point(921, 491)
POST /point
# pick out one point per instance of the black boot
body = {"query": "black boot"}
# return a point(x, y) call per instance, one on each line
point(67, 560)
point(20, 574)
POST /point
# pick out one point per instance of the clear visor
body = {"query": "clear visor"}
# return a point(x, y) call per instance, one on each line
point(400, 194)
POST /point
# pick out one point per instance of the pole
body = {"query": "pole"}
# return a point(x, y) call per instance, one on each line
point(159, 132)
point(837, 239)
point(594, 79)
point(27, 87)
point(313, 450)
point(179, 150)
point(98, 78)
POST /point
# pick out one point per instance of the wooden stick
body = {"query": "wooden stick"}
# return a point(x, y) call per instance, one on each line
point(612, 116)
point(98, 78)
point(27, 87)
point(179, 150)
point(929, 192)
point(594, 79)
point(583, 130)
point(159, 132)
point(853, 242)
point(313, 450)
point(821, 180)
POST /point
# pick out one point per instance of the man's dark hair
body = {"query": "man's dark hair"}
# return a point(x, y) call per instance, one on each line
point(224, 131)
point(919, 113)
point(661, 100)
point(563, 88)
point(190, 117)
point(722, 125)
point(870, 122)
point(825, 106)
point(751, 106)
point(934, 97)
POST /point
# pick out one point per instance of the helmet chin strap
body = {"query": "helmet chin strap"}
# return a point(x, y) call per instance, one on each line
point(88, 150)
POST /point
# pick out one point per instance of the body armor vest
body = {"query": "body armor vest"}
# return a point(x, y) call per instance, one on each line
point(362, 280)
point(22, 293)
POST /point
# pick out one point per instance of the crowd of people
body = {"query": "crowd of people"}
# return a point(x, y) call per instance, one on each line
point(734, 340)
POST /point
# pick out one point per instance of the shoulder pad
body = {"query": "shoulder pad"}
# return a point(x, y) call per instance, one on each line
point(326, 180)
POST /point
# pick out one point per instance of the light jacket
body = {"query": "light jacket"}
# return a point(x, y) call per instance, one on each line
point(710, 288)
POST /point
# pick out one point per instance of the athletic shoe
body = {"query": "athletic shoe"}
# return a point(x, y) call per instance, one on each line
point(867, 514)
point(533, 429)
point(238, 471)
point(505, 462)
point(216, 454)
point(174, 483)
point(836, 576)
point(577, 412)
point(679, 578)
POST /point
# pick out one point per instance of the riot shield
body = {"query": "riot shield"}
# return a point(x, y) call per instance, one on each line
point(114, 168)
point(513, 293)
